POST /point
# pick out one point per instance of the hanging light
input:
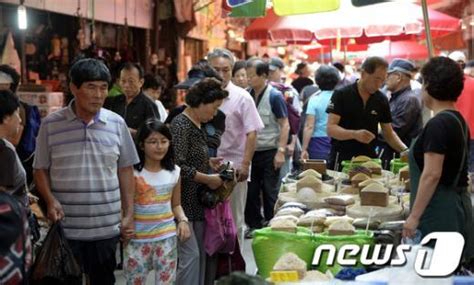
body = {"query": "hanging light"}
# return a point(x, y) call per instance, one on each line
point(22, 22)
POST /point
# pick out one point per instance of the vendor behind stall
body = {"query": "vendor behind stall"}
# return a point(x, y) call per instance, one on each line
point(355, 112)
point(439, 199)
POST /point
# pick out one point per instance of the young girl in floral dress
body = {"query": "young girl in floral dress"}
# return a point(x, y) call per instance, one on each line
point(158, 216)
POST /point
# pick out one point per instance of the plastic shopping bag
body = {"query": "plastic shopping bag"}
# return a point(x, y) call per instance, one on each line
point(55, 263)
point(221, 233)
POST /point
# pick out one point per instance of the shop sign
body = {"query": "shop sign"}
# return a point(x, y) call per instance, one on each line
point(445, 256)
point(245, 8)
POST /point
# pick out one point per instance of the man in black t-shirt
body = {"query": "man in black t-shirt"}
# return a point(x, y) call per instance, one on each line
point(133, 105)
point(355, 112)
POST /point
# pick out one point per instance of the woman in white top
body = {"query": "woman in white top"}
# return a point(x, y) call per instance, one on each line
point(152, 88)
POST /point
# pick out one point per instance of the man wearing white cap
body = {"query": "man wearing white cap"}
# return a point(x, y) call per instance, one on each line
point(405, 105)
point(465, 103)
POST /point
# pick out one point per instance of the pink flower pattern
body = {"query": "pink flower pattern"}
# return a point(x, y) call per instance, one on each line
point(140, 260)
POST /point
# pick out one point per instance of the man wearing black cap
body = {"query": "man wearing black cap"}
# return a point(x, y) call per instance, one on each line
point(303, 71)
point(277, 79)
point(405, 105)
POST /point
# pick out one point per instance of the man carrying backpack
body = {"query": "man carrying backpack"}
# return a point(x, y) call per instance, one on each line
point(293, 104)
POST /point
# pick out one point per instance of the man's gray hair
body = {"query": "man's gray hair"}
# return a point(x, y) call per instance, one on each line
point(221, 52)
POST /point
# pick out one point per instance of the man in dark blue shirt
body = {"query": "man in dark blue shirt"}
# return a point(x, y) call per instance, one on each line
point(405, 106)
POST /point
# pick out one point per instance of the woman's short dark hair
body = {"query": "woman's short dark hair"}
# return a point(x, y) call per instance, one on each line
point(9, 103)
point(443, 78)
point(327, 77)
point(89, 69)
point(206, 91)
point(372, 63)
point(153, 82)
point(144, 131)
point(241, 64)
point(7, 69)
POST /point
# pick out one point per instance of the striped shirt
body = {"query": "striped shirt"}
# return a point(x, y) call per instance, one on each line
point(153, 215)
point(83, 160)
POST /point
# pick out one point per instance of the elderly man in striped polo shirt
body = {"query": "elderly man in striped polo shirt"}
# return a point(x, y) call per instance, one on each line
point(83, 170)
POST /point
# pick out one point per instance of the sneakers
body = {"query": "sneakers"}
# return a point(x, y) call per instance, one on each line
point(249, 233)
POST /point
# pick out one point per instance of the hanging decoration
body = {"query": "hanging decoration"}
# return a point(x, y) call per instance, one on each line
point(10, 54)
point(81, 33)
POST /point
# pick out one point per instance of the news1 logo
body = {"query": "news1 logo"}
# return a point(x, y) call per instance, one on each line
point(445, 256)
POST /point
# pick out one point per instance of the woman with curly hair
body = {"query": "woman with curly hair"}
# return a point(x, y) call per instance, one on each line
point(438, 162)
point(191, 150)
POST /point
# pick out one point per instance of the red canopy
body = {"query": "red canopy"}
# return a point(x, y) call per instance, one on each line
point(394, 20)
point(401, 49)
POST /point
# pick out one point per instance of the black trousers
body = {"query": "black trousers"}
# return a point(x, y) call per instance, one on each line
point(264, 179)
point(96, 259)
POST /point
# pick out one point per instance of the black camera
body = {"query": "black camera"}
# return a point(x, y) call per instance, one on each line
point(210, 198)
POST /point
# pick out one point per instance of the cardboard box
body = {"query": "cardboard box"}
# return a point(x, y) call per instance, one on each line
point(317, 164)
point(369, 198)
point(43, 99)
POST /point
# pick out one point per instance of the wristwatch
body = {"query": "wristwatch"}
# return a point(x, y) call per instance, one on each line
point(281, 149)
point(183, 220)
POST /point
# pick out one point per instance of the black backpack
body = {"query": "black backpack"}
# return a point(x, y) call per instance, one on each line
point(13, 237)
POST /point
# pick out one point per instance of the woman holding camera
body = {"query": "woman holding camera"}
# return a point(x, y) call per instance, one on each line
point(191, 150)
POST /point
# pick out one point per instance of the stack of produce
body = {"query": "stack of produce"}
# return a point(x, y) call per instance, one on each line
point(339, 203)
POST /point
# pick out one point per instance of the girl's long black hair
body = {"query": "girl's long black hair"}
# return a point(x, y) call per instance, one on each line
point(148, 127)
